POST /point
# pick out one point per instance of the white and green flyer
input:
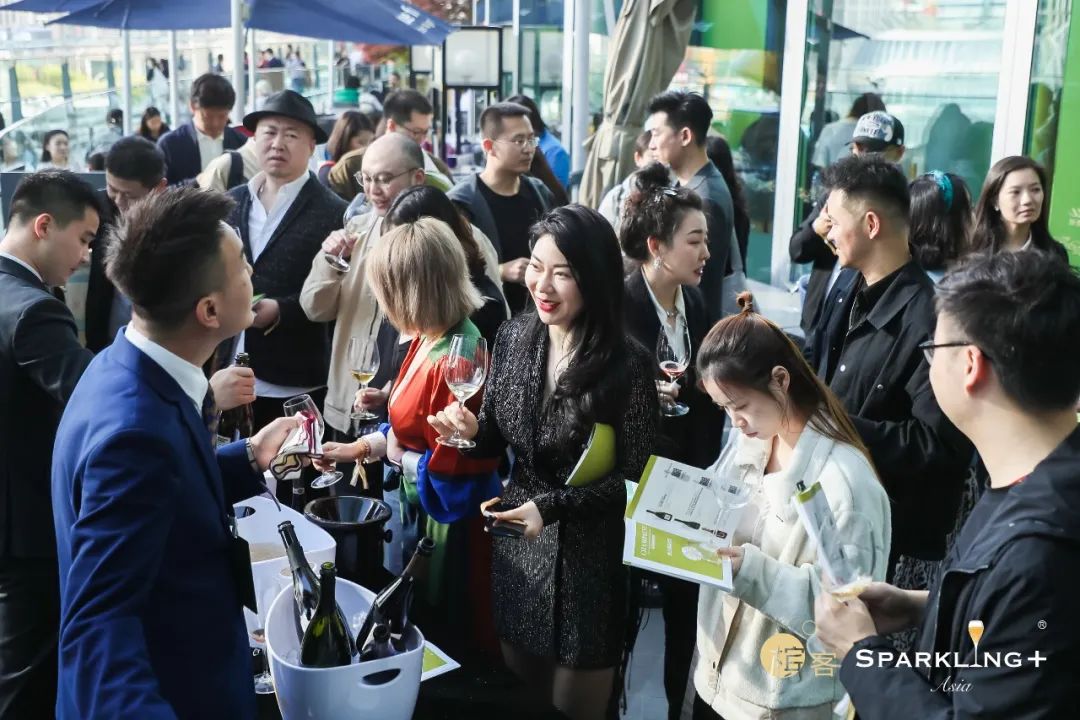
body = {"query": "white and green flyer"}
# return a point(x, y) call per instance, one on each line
point(676, 521)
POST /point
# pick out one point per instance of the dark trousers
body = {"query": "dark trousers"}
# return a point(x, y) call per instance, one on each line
point(29, 624)
point(266, 410)
point(702, 711)
point(680, 600)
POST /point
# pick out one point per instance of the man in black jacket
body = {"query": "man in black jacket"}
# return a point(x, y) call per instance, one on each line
point(54, 216)
point(878, 372)
point(1000, 636)
point(134, 168)
point(284, 213)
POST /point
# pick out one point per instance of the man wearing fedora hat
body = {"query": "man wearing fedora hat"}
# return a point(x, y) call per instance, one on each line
point(283, 214)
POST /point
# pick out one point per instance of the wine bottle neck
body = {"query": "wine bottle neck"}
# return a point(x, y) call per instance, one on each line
point(327, 601)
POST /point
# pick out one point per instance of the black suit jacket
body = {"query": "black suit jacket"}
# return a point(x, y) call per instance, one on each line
point(41, 360)
point(883, 380)
point(694, 438)
point(181, 148)
point(99, 289)
point(297, 351)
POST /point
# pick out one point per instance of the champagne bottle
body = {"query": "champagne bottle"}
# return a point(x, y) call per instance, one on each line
point(326, 642)
point(305, 584)
point(391, 606)
point(238, 423)
point(379, 646)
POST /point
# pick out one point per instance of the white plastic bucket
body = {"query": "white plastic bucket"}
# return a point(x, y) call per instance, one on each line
point(385, 689)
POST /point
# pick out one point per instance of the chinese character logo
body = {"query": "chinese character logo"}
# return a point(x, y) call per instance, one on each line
point(783, 655)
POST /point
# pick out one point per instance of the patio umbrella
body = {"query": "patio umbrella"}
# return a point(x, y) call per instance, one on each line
point(649, 44)
point(49, 6)
point(392, 22)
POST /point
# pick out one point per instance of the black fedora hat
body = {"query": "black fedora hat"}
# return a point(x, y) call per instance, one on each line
point(290, 104)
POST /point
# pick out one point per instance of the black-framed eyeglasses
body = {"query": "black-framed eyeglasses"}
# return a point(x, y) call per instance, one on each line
point(930, 346)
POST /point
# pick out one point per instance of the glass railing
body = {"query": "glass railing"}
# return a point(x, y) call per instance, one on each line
point(83, 118)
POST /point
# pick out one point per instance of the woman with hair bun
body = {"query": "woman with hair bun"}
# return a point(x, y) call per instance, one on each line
point(663, 230)
point(787, 428)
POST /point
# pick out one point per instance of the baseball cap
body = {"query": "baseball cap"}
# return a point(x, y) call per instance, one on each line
point(878, 130)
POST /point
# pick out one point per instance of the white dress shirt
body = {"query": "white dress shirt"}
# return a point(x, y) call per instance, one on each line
point(677, 340)
point(209, 148)
point(25, 264)
point(189, 377)
point(261, 226)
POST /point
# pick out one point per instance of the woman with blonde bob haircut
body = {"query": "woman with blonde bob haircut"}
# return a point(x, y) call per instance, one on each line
point(787, 428)
point(420, 278)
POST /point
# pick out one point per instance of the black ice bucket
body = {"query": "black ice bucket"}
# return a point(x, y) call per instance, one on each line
point(357, 526)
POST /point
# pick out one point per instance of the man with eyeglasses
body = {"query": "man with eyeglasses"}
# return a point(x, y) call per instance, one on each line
point(409, 113)
point(1004, 369)
point(283, 214)
point(875, 365)
point(392, 164)
point(502, 200)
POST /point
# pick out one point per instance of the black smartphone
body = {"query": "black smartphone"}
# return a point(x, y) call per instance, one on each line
point(502, 528)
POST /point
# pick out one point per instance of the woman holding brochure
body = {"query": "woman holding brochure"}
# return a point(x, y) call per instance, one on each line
point(560, 591)
point(664, 230)
point(788, 428)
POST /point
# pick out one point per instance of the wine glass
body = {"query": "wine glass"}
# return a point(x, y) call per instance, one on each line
point(673, 354)
point(466, 366)
point(358, 206)
point(304, 405)
point(363, 358)
point(846, 556)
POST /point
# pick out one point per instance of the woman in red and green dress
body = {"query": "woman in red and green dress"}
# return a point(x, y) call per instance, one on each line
point(419, 276)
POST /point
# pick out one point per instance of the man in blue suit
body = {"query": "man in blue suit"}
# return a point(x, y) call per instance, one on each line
point(190, 148)
point(151, 576)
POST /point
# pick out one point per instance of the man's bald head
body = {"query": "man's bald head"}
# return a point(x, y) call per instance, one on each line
point(391, 164)
point(393, 148)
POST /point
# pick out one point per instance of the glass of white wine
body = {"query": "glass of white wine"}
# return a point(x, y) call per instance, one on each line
point(846, 556)
point(466, 367)
point(363, 355)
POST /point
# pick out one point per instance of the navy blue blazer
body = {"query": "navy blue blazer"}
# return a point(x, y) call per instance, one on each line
point(150, 618)
point(181, 149)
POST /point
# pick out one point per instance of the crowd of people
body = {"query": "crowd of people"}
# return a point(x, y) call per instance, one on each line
point(933, 395)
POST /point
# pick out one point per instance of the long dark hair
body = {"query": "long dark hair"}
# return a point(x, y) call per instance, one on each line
point(593, 387)
point(144, 127)
point(718, 150)
point(349, 125)
point(939, 224)
point(989, 232)
point(46, 156)
point(653, 209)
point(743, 349)
point(419, 201)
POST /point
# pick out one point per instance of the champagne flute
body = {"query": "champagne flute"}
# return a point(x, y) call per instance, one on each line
point(307, 408)
point(363, 358)
point(358, 206)
point(975, 632)
point(466, 366)
point(673, 355)
point(846, 557)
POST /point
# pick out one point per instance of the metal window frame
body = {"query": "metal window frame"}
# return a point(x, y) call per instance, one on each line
point(1010, 115)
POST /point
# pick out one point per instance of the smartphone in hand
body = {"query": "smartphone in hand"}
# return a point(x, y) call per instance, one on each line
point(502, 528)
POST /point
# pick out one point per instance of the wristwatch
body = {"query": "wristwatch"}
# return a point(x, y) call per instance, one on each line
point(251, 455)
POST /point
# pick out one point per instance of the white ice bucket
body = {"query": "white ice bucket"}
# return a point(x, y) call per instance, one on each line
point(385, 689)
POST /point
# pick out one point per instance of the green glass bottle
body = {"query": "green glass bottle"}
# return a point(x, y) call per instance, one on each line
point(327, 641)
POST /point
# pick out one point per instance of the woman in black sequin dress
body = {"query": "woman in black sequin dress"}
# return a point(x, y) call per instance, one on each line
point(560, 593)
